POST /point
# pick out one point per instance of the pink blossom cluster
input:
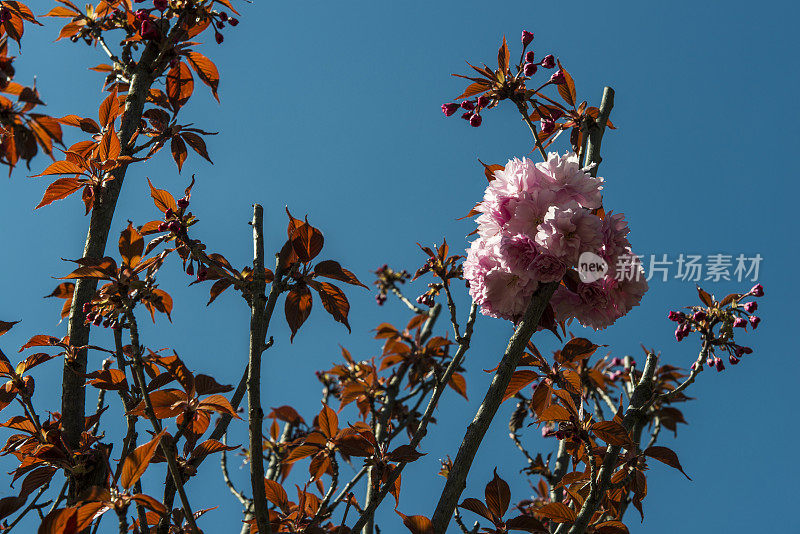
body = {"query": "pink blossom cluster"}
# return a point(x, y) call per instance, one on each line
point(535, 222)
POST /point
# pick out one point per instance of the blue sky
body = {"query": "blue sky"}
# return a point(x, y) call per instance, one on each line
point(333, 110)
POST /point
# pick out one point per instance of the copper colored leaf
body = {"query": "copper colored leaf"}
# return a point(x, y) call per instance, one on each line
point(458, 383)
point(476, 506)
point(334, 301)
point(60, 189)
point(297, 308)
point(558, 512)
point(498, 495)
point(131, 245)
point(136, 464)
point(577, 348)
point(567, 89)
point(526, 523)
point(61, 167)
point(328, 422)
point(162, 199)
point(417, 524)
point(276, 494)
point(206, 70)
point(178, 149)
point(706, 299)
point(612, 433)
point(180, 84)
point(611, 527)
point(519, 380)
point(667, 456)
point(405, 453)
point(60, 521)
point(489, 170)
point(219, 404)
point(209, 446)
point(474, 89)
point(503, 56)
point(36, 479)
point(5, 326)
point(150, 503)
point(197, 144)
point(554, 412)
point(306, 240)
point(109, 109)
point(332, 269)
point(90, 511)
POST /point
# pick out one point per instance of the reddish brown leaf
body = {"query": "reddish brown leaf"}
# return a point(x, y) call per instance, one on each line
point(180, 84)
point(567, 89)
point(334, 301)
point(136, 464)
point(162, 199)
point(577, 348)
point(60, 189)
point(554, 412)
point(458, 383)
point(612, 433)
point(276, 494)
point(328, 422)
point(558, 512)
point(131, 246)
point(332, 269)
point(611, 527)
point(667, 456)
point(417, 524)
point(476, 506)
point(178, 149)
point(519, 380)
point(197, 144)
point(297, 308)
point(206, 70)
point(498, 494)
point(6, 326)
point(60, 521)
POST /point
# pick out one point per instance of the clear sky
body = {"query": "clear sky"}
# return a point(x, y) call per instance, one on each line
point(332, 108)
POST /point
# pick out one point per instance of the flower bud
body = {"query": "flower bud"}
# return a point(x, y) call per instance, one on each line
point(529, 56)
point(710, 362)
point(466, 116)
point(174, 226)
point(449, 108)
point(733, 359)
point(141, 14)
point(475, 120)
point(223, 16)
point(750, 307)
point(87, 307)
point(548, 61)
point(218, 37)
point(747, 350)
point(233, 22)
point(149, 30)
point(169, 213)
point(468, 105)
point(547, 126)
point(739, 323)
point(718, 364)
point(616, 361)
point(183, 203)
point(676, 316)
point(529, 69)
point(97, 320)
point(527, 37)
point(558, 78)
point(754, 320)
point(757, 291)
point(483, 101)
point(699, 315)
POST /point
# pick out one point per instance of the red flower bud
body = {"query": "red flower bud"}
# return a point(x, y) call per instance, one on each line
point(483, 101)
point(141, 15)
point(527, 37)
point(449, 108)
point(529, 56)
point(97, 320)
point(757, 291)
point(733, 359)
point(547, 126)
point(676, 316)
point(754, 320)
point(558, 78)
point(183, 203)
point(548, 61)
point(468, 105)
point(475, 120)
point(699, 315)
point(223, 16)
point(529, 69)
point(87, 307)
point(233, 22)
point(739, 323)
point(218, 37)
point(750, 307)
point(718, 364)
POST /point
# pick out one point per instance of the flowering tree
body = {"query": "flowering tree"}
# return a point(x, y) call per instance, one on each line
point(546, 254)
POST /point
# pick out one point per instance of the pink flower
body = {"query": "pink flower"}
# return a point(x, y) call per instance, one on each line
point(565, 233)
point(547, 268)
point(517, 253)
point(569, 182)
